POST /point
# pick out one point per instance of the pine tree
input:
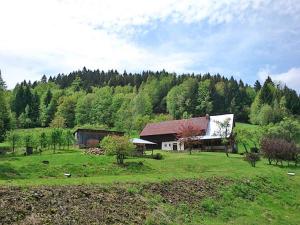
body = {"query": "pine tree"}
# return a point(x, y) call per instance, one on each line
point(257, 86)
point(2, 83)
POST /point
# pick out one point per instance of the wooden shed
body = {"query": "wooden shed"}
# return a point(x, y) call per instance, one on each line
point(87, 137)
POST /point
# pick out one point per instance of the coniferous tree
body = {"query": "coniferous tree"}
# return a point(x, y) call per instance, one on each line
point(257, 86)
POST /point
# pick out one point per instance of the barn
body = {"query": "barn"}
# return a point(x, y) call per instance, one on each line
point(85, 137)
point(166, 134)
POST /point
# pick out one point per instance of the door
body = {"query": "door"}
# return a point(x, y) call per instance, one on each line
point(175, 147)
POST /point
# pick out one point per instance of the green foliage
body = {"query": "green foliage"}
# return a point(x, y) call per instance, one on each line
point(56, 138)
point(128, 101)
point(288, 129)
point(14, 140)
point(69, 138)
point(66, 110)
point(248, 137)
point(158, 156)
point(183, 98)
point(58, 122)
point(120, 146)
point(5, 118)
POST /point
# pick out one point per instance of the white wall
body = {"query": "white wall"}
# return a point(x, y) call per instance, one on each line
point(169, 145)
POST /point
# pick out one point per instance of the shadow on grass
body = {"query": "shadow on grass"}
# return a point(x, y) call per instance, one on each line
point(285, 166)
point(136, 167)
point(8, 172)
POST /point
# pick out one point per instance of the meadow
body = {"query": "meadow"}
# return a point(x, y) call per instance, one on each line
point(261, 195)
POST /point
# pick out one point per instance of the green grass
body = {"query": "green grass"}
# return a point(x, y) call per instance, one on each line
point(270, 197)
point(89, 169)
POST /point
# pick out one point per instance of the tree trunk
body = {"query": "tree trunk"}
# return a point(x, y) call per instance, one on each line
point(270, 161)
point(245, 147)
point(226, 151)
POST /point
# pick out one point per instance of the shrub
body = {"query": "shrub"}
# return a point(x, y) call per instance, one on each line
point(252, 158)
point(120, 146)
point(254, 150)
point(157, 156)
point(279, 150)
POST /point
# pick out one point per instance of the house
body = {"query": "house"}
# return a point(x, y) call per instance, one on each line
point(90, 137)
point(167, 134)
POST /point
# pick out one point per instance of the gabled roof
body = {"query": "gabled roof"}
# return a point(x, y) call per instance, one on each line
point(173, 126)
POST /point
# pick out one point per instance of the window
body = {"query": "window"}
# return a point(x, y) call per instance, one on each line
point(169, 145)
point(165, 145)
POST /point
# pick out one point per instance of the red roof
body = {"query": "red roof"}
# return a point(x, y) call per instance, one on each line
point(173, 126)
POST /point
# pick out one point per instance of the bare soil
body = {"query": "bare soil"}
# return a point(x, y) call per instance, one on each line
point(118, 204)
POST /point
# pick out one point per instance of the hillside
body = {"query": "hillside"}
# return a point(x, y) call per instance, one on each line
point(181, 188)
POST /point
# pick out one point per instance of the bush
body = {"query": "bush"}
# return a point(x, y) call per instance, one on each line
point(120, 146)
point(254, 150)
point(157, 156)
point(252, 158)
point(279, 150)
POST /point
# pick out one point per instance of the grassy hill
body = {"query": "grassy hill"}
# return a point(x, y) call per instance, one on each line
point(180, 189)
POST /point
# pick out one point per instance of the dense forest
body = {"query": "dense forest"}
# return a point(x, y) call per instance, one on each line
point(126, 101)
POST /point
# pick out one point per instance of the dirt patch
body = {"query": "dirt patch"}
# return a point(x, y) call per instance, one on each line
point(71, 205)
point(117, 204)
point(187, 191)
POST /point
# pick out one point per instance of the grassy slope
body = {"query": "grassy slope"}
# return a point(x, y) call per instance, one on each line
point(22, 170)
point(273, 202)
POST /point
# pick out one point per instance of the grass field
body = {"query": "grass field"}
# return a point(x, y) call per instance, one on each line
point(261, 195)
point(86, 169)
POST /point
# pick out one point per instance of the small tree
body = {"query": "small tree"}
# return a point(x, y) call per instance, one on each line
point(248, 137)
point(28, 141)
point(120, 146)
point(43, 140)
point(278, 150)
point(14, 139)
point(224, 132)
point(56, 138)
point(58, 122)
point(69, 138)
point(187, 135)
point(242, 137)
point(252, 158)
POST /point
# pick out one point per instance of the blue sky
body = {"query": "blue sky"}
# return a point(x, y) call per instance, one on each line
point(248, 39)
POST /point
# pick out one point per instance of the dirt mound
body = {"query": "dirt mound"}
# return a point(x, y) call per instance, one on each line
point(187, 191)
point(71, 205)
point(118, 204)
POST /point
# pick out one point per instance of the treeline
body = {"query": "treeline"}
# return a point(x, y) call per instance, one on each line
point(56, 138)
point(128, 101)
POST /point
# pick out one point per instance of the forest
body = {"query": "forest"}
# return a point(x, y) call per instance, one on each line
point(127, 102)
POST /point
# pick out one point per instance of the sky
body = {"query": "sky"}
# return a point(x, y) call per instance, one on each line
point(247, 39)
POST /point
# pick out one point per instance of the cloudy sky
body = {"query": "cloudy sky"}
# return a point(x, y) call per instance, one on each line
point(248, 39)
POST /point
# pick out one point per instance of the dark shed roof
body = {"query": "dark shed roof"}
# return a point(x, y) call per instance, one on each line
point(98, 131)
point(174, 126)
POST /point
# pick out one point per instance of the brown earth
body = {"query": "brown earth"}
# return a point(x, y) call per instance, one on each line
point(96, 204)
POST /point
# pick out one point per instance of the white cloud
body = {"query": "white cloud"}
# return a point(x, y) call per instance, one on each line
point(64, 35)
point(291, 78)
